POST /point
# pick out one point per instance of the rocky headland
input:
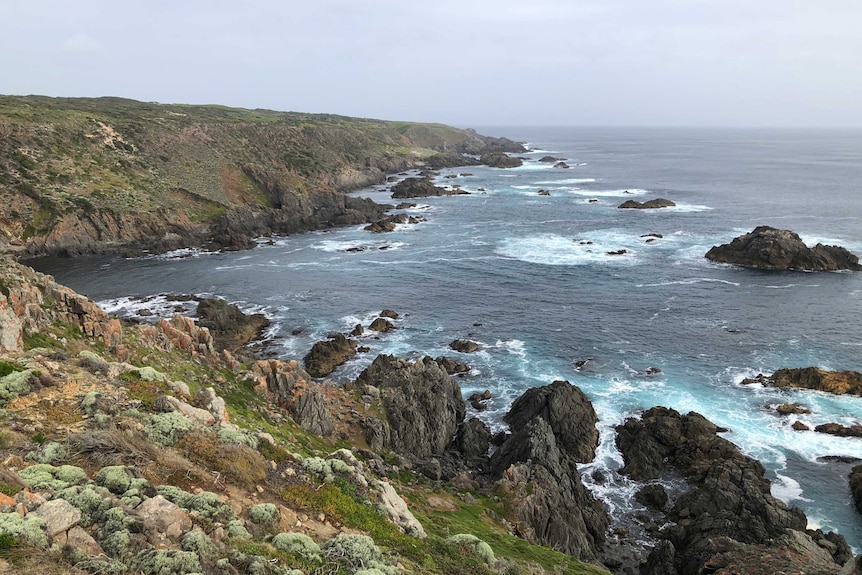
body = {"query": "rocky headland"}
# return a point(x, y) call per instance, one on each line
point(768, 248)
point(109, 175)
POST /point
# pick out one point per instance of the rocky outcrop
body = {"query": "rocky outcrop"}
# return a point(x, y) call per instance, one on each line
point(290, 387)
point(229, 326)
point(837, 382)
point(553, 428)
point(728, 516)
point(423, 405)
point(647, 205)
point(772, 249)
point(450, 160)
point(551, 159)
point(31, 302)
point(421, 188)
point(328, 354)
point(464, 346)
point(500, 160)
point(856, 486)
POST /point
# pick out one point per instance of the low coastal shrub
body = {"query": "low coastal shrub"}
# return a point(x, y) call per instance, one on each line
point(236, 529)
point(235, 462)
point(478, 546)
point(237, 437)
point(356, 552)
point(263, 513)
point(44, 476)
point(166, 562)
point(206, 503)
point(93, 363)
point(28, 529)
point(298, 544)
point(50, 452)
point(14, 384)
point(198, 542)
point(167, 428)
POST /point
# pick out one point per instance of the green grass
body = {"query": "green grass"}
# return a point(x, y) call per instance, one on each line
point(6, 368)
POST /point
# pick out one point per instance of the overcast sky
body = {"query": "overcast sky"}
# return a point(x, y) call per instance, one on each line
point(462, 62)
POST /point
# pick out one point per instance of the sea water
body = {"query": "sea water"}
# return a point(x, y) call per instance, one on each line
point(529, 277)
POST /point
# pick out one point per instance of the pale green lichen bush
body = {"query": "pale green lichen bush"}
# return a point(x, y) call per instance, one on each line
point(298, 544)
point(90, 403)
point(482, 549)
point(51, 452)
point(29, 529)
point(198, 542)
point(357, 552)
point(93, 363)
point(147, 373)
point(43, 476)
point(206, 503)
point(263, 513)
point(326, 469)
point(236, 529)
point(90, 502)
point(167, 428)
point(166, 562)
point(15, 384)
point(237, 437)
point(113, 533)
point(114, 478)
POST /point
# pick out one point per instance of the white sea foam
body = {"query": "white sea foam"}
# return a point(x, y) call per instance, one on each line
point(552, 249)
point(630, 192)
point(360, 246)
point(690, 282)
point(567, 181)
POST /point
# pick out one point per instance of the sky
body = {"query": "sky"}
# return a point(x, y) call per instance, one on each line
point(728, 63)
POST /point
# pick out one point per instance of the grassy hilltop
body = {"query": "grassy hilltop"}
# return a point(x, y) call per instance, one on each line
point(84, 175)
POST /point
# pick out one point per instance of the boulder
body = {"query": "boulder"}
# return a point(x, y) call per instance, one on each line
point(328, 354)
point(478, 401)
point(648, 205)
point(562, 165)
point(473, 438)
point(792, 409)
point(840, 430)
point(391, 314)
point(420, 188)
point(856, 486)
point(452, 366)
point(543, 192)
point(729, 502)
point(768, 248)
point(837, 382)
point(464, 346)
point(228, 325)
point(500, 160)
point(162, 521)
point(59, 516)
point(381, 325)
point(423, 405)
point(652, 496)
point(387, 224)
point(405, 206)
point(550, 159)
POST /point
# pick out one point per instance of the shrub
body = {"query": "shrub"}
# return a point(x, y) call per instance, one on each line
point(236, 529)
point(14, 384)
point(51, 452)
point(263, 513)
point(166, 428)
point(114, 478)
point(298, 544)
point(93, 363)
point(92, 504)
point(198, 542)
point(479, 547)
point(326, 469)
point(44, 476)
point(357, 552)
point(166, 562)
point(206, 503)
point(28, 529)
point(238, 463)
point(237, 437)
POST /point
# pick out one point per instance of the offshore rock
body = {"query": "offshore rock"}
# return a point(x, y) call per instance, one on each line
point(229, 326)
point(423, 405)
point(328, 354)
point(837, 382)
point(772, 249)
point(464, 346)
point(420, 188)
point(856, 486)
point(500, 160)
point(729, 516)
point(648, 205)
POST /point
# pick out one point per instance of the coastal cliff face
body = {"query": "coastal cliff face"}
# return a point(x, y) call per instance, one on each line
point(113, 175)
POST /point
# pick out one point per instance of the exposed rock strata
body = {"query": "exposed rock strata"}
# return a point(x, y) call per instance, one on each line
point(772, 249)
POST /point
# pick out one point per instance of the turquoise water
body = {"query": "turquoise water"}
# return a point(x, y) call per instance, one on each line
point(529, 277)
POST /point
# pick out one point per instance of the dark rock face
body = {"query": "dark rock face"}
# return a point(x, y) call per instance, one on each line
point(328, 354)
point(450, 160)
point(652, 496)
point(648, 205)
point(551, 159)
point(856, 486)
point(791, 409)
point(568, 412)
point(381, 325)
point(728, 516)
point(837, 382)
point(500, 160)
point(423, 405)
point(772, 249)
point(553, 428)
point(420, 188)
point(452, 366)
point(839, 430)
point(229, 326)
point(387, 224)
point(464, 346)
point(562, 165)
point(473, 438)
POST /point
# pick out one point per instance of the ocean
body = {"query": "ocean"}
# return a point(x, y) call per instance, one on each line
point(529, 277)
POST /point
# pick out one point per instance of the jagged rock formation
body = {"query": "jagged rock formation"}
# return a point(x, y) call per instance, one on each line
point(450, 160)
point(772, 249)
point(229, 326)
point(328, 354)
point(31, 301)
point(553, 428)
point(111, 175)
point(647, 205)
point(290, 387)
point(423, 406)
point(837, 382)
point(728, 518)
point(500, 160)
point(421, 188)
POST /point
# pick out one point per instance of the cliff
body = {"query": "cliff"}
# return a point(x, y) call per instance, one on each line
point(104, 175)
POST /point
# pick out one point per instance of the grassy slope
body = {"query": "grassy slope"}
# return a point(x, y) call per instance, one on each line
point(76, 155)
